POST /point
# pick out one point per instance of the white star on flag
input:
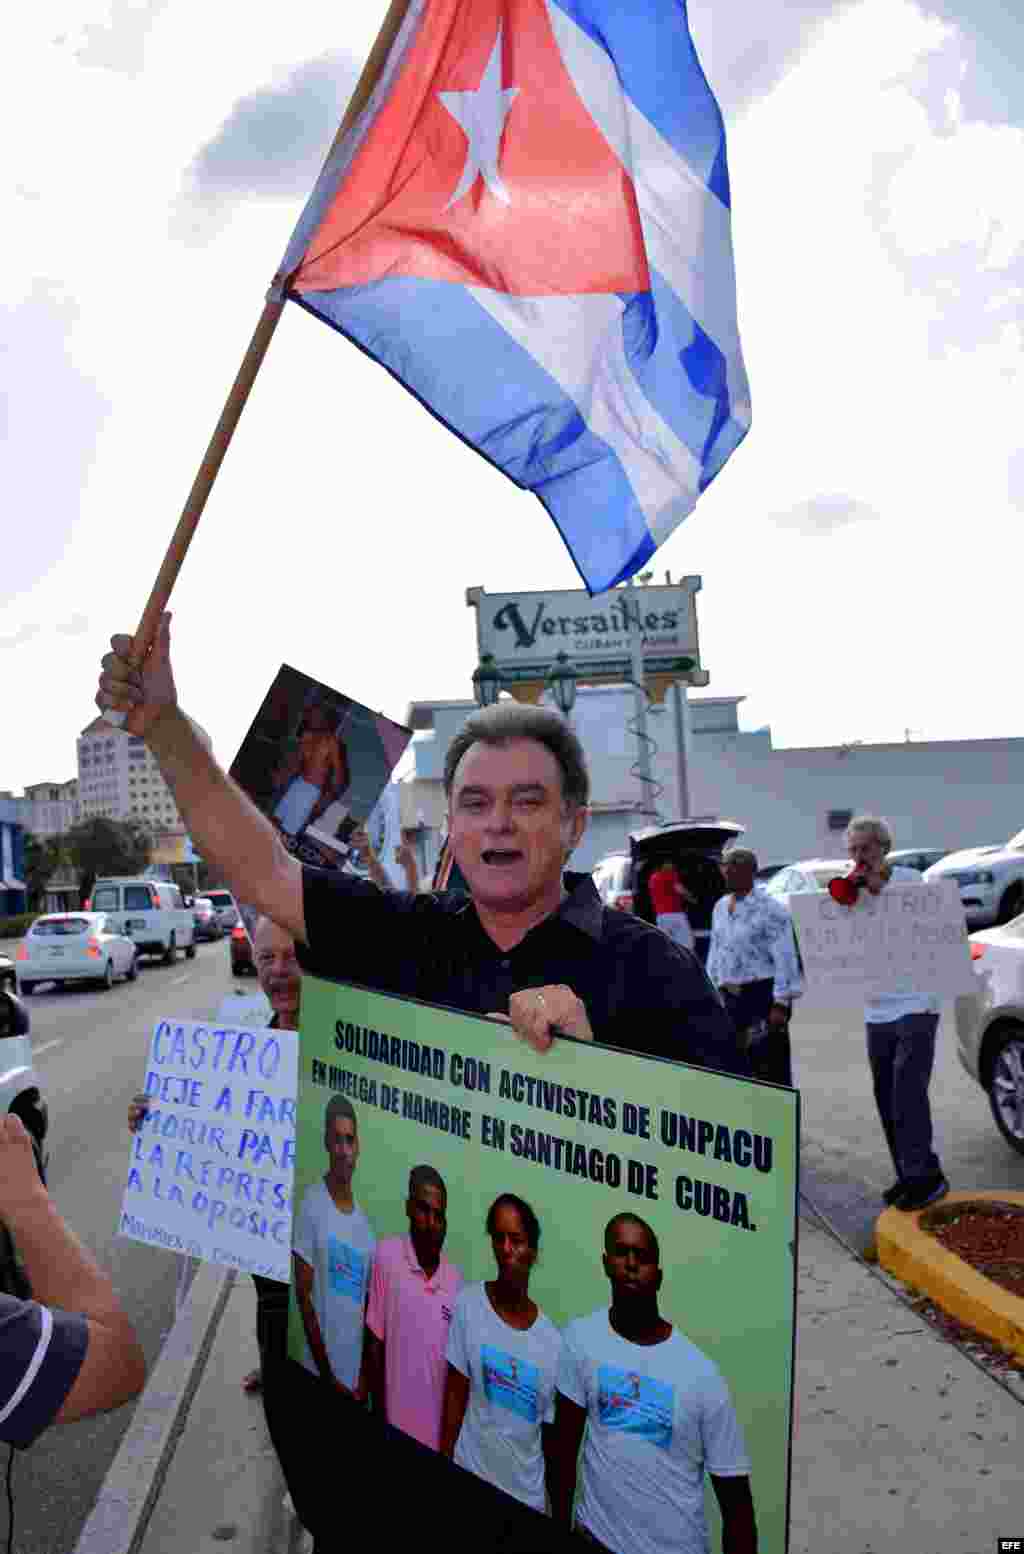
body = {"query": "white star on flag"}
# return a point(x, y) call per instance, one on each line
point(482, 116)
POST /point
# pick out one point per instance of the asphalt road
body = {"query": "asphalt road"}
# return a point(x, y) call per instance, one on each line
point(91, 1053)
point(840, 1126)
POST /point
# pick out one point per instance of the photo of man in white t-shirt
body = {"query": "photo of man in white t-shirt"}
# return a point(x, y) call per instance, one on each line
point(653, 1415)
point(333, 1248)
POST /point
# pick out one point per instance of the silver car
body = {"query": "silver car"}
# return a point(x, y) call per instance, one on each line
point(65, 947)
point(990, 1025)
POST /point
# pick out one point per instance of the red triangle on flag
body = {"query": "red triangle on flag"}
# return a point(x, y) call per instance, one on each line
point(548, 208)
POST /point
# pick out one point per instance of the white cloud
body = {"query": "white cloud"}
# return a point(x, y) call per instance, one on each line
point(877, 237)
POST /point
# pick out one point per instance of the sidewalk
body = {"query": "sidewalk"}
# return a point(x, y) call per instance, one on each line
point(902, 1443)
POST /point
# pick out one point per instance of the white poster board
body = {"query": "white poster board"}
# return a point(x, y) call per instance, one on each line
point(908, 939)
point(210, 1171)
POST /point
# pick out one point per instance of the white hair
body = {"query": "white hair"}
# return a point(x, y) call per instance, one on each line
point(870, 825)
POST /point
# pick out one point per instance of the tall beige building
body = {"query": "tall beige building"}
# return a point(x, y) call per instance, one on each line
point(119, 779)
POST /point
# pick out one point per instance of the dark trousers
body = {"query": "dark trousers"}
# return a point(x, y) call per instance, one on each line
point(902, 1053)
point(329, 1448)
point(413, 1497)
point(283, 1393)
point(769, 1051)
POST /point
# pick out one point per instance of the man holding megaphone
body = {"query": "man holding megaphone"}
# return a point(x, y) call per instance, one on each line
point(901, 1029)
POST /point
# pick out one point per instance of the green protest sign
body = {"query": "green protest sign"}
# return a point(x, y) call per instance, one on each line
point(582, 1133)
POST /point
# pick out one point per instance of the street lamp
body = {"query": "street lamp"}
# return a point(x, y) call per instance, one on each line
point(562, 684)
point(486, 681)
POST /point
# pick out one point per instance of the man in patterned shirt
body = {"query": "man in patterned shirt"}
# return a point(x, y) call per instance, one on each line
point(754, 964)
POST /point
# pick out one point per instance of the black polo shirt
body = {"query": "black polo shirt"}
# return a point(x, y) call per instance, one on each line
point(640, 990)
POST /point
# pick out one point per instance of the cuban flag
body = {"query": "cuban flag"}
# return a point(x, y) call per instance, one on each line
point(528, 225)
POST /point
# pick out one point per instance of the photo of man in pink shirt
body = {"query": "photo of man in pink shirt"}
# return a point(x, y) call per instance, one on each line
point(412, 1296)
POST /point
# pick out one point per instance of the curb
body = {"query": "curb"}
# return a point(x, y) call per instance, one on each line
point(911, 1254)
point(117, 1522)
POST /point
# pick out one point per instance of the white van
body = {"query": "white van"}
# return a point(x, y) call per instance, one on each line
point(151, 912)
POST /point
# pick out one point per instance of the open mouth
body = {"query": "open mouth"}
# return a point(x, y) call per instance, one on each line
point(499, 859)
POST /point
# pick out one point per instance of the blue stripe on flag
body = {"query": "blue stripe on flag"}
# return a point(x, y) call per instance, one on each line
point(683, 374)
point(658, 67)
point(480, 383)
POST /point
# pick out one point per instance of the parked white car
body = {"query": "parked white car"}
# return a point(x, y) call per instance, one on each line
point(20, 1090)
point(810, 874)
point(990, 880)
point(152, 913)
point(990, 1025)
point(74, 947)
point(613, 879)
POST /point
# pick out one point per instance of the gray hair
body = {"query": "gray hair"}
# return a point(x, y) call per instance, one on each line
point(871, 825)
point(508, 720)
point(741, 855)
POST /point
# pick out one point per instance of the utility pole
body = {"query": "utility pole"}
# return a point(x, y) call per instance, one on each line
point(681, 708)
point(640, 698)
point(682, 711)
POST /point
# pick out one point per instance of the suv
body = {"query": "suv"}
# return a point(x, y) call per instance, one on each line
point(150, 912)
point(225, 906)
point(695, 847)
point(990, 880)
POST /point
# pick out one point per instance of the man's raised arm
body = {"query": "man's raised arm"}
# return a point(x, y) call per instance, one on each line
point(225, 826)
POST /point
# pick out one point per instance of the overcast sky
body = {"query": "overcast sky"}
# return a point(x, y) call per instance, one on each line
point(860, 553)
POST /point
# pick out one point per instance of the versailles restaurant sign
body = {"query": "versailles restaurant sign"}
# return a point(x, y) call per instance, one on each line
point(525, 632)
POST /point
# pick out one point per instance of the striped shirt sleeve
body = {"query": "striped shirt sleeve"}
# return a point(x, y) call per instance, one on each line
point(41, 1354)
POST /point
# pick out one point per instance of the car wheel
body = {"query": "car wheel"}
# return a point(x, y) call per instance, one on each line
point(108, 976)
point(133, 969)
point(190, 952)
point(1006, 1086)
point(171, 952)
point(25, 988)
point(1012, 904)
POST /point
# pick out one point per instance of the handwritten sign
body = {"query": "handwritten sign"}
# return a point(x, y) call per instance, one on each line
point(908, 939)
point(210, 1172)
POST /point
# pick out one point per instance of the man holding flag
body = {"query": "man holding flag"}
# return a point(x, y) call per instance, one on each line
point(526, 220)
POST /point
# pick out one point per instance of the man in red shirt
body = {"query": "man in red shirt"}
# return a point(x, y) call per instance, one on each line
point(670, 898)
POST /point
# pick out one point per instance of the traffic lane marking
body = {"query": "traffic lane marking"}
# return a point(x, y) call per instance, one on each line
point(37, 1051)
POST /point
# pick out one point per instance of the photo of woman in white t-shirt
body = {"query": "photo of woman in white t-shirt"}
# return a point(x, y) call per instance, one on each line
point(503, 1355)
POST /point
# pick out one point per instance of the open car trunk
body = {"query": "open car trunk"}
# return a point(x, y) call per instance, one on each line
point(696, 848)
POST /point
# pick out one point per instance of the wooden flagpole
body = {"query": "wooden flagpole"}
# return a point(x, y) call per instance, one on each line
point(246, 377)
